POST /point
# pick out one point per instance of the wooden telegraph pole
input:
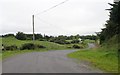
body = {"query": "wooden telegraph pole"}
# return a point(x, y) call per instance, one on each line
point(44, 12)
point(33, 27)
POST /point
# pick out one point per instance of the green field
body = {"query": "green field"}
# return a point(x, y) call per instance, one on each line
point(89, 41)
point(106, 61)
point(8, 41)
point(49, 45)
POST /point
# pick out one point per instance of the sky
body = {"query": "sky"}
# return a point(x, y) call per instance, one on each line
point(84, 17)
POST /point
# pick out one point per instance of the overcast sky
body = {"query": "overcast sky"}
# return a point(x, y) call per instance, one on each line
point(73, 17)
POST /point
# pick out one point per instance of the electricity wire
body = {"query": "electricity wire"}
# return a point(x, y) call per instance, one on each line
point(51, 7)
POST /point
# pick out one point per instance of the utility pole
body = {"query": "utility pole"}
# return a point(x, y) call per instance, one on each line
point(43, 12)
point(33, 27)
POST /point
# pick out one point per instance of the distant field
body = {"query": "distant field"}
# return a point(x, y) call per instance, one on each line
point(49, 45)
point(8, 41)
point(13, 41)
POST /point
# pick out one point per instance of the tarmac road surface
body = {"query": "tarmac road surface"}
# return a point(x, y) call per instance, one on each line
point(55, 61)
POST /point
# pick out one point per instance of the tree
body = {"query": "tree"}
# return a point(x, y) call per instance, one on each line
point(112, 26)
point(38, 36)
point(8, 35)
point(21, 36)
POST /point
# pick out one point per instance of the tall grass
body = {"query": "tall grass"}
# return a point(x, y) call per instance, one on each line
point(106, 61)
point(6, 54)
point(104, 58)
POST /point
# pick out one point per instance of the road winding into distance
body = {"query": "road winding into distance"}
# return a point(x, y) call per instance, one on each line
point(55, 61)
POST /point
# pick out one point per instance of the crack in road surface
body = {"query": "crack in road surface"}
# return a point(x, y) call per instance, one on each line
point(45, 62)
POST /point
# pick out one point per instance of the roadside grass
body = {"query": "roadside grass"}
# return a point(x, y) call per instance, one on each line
point(6, 54)
point(0, 56)
point(0, 48)
point(100, 57)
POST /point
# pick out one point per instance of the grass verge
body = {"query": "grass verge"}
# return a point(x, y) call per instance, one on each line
point(100, 58)
point(7, 54)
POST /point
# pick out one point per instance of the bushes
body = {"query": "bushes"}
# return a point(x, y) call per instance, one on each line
point(31, 46)
point(26, 46)
point(40, 46)
point(21, 36)
point(75, 41)
point(12, 47)
point(60, 41)
point(76, 47)
point(67, 42)
point(8, 35)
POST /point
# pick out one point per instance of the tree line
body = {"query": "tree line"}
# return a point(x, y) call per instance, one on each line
point(112, 26)
point(61, 39)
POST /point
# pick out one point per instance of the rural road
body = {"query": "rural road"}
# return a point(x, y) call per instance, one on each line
point(45, 62)
point(91, 45)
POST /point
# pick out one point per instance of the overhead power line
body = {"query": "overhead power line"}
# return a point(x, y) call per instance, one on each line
point(43, 21)
point(48, 23)
point(42, 13)
point(51, 7)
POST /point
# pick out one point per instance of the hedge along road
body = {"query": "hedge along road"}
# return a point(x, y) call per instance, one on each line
point(45, 62)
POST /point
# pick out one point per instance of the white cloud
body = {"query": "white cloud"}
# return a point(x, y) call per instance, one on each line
point(73, 17)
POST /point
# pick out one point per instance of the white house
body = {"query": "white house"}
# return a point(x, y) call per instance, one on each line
point(80, 40)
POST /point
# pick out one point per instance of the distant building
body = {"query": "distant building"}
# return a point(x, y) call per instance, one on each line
point(80, 40)
point(116, 0)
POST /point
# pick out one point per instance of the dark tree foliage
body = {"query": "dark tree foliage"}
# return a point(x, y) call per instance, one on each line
point(29, 36)
point(40, 46)
point(91, 37)
point(75, 41)
point(28, 46)
point(61, 39)
point(8, 35)
point(46, 37)
point(76, 47)
point(38, 36)
point(113, 24)
point(21, 36)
